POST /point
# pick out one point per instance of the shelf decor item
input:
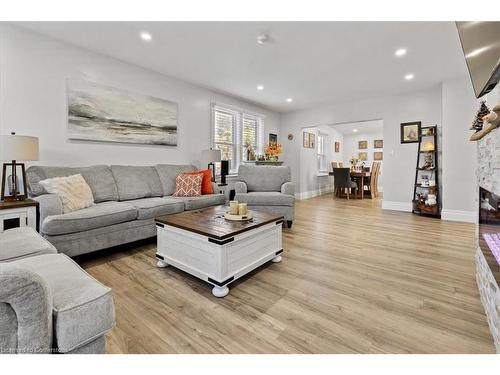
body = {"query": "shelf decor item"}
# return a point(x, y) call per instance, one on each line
point(426, 197)
point(410, 132)
point(490, 121)
point(211, 156)
point(273, 151)
point(16, 147)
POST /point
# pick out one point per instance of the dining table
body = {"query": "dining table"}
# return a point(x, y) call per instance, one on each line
point(360, 176)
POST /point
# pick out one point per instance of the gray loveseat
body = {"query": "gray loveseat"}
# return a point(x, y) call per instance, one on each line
point(267, 188)
point(47, 302)
point(127, 200)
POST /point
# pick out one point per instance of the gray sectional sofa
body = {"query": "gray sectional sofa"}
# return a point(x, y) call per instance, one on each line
point(267, 188)
point(127, 200)
point(48, 304)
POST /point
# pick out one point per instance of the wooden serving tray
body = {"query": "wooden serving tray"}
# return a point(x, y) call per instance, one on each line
point(248, 216)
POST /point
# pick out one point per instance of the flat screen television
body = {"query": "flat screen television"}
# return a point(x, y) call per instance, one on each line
point(489, 227)
point(481, 47)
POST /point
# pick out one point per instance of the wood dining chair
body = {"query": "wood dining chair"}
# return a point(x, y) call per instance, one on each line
point(342, 181)
point(377, 173)
point(341, 165)
point(334, 165)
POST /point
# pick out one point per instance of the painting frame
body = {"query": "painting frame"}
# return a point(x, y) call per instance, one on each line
point(362, 145)
point(337, 146)
point(363, 156)
point(410, 132)
point(102, 113)
point(305, 139)
point(378, 155)
point(378, 143)
point(312, 140)
point(273, 138)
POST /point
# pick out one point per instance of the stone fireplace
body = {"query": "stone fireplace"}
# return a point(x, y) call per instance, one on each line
point(487, 267)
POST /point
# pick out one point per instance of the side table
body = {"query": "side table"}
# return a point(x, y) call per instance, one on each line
point(18, 214)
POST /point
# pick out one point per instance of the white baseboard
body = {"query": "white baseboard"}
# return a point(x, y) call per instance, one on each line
point(457, 215)
point(397, 206)
point(312, 193)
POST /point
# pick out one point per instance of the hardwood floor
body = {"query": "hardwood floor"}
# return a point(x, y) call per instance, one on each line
point(354, 279)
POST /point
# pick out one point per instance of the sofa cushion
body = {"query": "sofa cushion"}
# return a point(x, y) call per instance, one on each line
point(168, 173)
point(82, 309)
point(195, 203)
point(267, 198)
point(99, 178)
point(148, 208)
point(136, 182)
point(97, 216)
point(73, 191)
point(263, 177)
point(22, 242)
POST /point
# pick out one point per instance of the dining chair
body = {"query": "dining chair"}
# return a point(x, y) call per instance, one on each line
point(341, 165)
point(342, 180)
point(334, 165)
point(377, 173)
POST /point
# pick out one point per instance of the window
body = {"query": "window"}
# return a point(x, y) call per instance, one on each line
point(233, 131)
point(321, 145)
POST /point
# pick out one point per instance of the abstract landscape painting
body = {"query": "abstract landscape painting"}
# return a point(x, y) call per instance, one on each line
point(102, 113)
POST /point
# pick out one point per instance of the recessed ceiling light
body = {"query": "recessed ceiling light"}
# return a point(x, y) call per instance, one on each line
point(409, 76)
point(262, 38)
point(146, 36)
point(260, 87)
point(289, 100)
point(354, 130)
point(400, 52)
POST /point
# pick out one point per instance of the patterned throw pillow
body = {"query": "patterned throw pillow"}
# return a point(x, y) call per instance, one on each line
point(188, 185)
point(73, 191)
point(206, 184)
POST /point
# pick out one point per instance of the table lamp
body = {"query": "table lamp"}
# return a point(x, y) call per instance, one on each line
point(212, 156)
point(16, 147)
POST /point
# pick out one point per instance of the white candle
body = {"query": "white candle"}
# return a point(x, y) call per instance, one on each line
point(233, 207)
point(242, 209)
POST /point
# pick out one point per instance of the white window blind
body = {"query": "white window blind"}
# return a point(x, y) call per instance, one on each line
point(233, 131)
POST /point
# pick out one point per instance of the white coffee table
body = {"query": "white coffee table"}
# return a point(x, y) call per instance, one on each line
point(204, 244)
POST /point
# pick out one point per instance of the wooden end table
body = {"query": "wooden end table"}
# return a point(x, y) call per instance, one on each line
point(206, 245)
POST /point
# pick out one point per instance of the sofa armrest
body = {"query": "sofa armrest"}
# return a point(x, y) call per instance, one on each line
point(288, 188)
point(240, 187)
point(31, 299)
point(49, 204)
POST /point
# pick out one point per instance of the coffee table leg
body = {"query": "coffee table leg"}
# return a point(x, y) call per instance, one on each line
point(220, 291)
point(276, 259)
point(161, 264)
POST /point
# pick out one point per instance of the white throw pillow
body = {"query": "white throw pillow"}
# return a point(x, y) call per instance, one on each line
point(73, 190)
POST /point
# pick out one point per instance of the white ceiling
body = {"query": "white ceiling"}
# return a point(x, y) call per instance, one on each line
point(364, 127)
point(312, 62)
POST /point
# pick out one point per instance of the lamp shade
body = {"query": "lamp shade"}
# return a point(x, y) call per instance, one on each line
point(18, 147)
point(211, 155)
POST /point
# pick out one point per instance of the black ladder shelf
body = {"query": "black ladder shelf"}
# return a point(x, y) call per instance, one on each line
point(427, 175)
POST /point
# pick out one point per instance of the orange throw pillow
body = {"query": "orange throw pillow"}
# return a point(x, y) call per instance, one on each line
point(206, 184)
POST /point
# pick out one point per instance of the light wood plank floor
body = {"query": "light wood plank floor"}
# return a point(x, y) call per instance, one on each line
point(354, 279)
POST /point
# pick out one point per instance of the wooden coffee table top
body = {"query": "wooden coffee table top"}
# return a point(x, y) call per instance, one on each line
point(210, 222)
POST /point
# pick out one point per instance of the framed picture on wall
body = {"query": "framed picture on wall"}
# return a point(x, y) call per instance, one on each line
point(273, 138)
point(378, 143)
point(363, 156)
point(312, 140)
point(363, 145)
point(305, 140)
point(337, 146)
point(410, 132)
point(378, 155)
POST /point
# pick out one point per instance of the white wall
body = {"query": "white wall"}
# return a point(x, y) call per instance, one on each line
point(351, 149)
point(33, 70)
point(399, 159)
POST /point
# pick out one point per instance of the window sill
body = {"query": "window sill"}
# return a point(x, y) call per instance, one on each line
point(322, 174)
